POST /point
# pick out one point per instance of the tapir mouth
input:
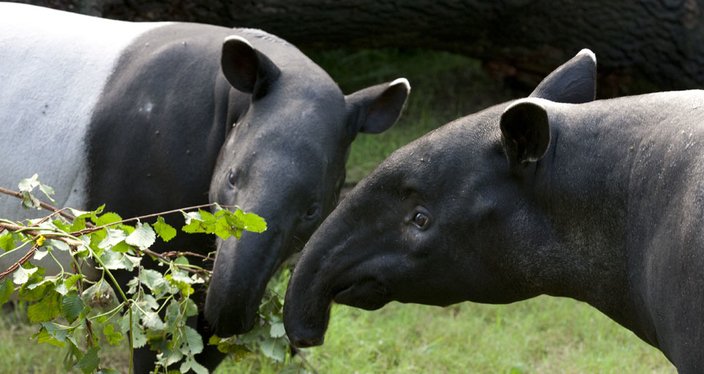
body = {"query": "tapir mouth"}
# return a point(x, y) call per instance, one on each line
point(240, 275)
point(368, 294)
point(306, 323)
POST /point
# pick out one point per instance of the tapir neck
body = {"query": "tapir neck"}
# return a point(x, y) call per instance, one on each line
point(594, 184)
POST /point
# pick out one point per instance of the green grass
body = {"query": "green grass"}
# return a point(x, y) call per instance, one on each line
point(21, 354)
point(542, 335)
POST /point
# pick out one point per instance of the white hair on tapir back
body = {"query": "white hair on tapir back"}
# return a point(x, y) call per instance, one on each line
point(52, 84)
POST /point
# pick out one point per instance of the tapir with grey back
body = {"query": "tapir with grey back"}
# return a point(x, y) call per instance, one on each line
point(148, 117)
point(601, 201)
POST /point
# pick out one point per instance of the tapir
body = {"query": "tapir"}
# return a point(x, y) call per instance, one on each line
point(601, 201)
point(149, 117)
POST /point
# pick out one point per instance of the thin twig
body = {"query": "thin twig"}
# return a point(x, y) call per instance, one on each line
point(169, 254)
point(19, 263)
point(36, 231)
point(42, 204)
point(147, 216)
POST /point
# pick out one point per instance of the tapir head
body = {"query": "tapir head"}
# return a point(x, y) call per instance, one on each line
point(426, 226)
point(283, 159)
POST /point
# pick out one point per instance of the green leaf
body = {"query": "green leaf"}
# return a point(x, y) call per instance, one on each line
point(61, 224)
point(251, 222)
point(182, 281)
point(7, 241)
point(114, 337)
point(6, 290)
point(152, 321)
point(79, 213)
point(90, 361)
point(52, 333)
point(154, 280)
point(277, 330)
point(190, 308)
point(169, 357)
point(36, 287)
point(223, 229)
point(193, 340)
point(165, 231)
point(68, 284)
point(143, 236)
point(21, 275)
point(59, 245)
point(148, 302)
point(48, 191)
point(39, 254)
point(274, 349)
point(46, 309)
point(113, 238)
point(28, 184)
point(194, 223)
point(44, 337)
point(72, 306)
point(119, 261)
point(191, 364)
point(107, 219)
point(173, 312)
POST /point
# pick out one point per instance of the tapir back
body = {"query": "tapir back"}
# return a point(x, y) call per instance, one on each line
point(53, 68)
point(634, 169)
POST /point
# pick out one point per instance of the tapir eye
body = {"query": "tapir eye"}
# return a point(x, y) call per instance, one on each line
point(421, 220)
point(231, 178)
point(313, 211)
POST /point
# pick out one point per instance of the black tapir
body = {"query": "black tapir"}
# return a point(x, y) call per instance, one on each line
point(601, 201)
point(147, 117)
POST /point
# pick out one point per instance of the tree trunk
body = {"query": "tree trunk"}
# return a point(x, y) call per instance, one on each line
point(661, 41)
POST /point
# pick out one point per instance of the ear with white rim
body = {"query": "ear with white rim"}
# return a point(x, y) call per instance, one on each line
point(247, 69)
point(525, 132)
point(573, 82)
point(375, 109)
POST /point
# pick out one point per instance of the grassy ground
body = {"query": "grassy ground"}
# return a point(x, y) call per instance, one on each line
point(543, 335)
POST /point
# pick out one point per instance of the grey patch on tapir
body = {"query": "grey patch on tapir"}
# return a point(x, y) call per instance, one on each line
point(608, 210)
point(55, 109)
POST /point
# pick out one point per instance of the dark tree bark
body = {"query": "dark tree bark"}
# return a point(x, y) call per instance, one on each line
point(661, 41)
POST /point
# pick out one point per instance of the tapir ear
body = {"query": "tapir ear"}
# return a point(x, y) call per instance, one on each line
point(573, 82)
point(525, 132)
point(375, 109)
point(247, 69)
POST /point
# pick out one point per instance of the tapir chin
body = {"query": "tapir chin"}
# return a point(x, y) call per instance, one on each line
point(558, 194)
point(149, 117)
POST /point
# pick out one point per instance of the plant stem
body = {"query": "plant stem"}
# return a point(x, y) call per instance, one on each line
point(19, 263)
point(146, 216)
point(42, 204)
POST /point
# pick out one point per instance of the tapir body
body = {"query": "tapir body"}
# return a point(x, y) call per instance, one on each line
point(601, 201)
point(149, 117)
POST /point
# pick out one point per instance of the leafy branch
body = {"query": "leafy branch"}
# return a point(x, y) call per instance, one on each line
point(81, 312)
